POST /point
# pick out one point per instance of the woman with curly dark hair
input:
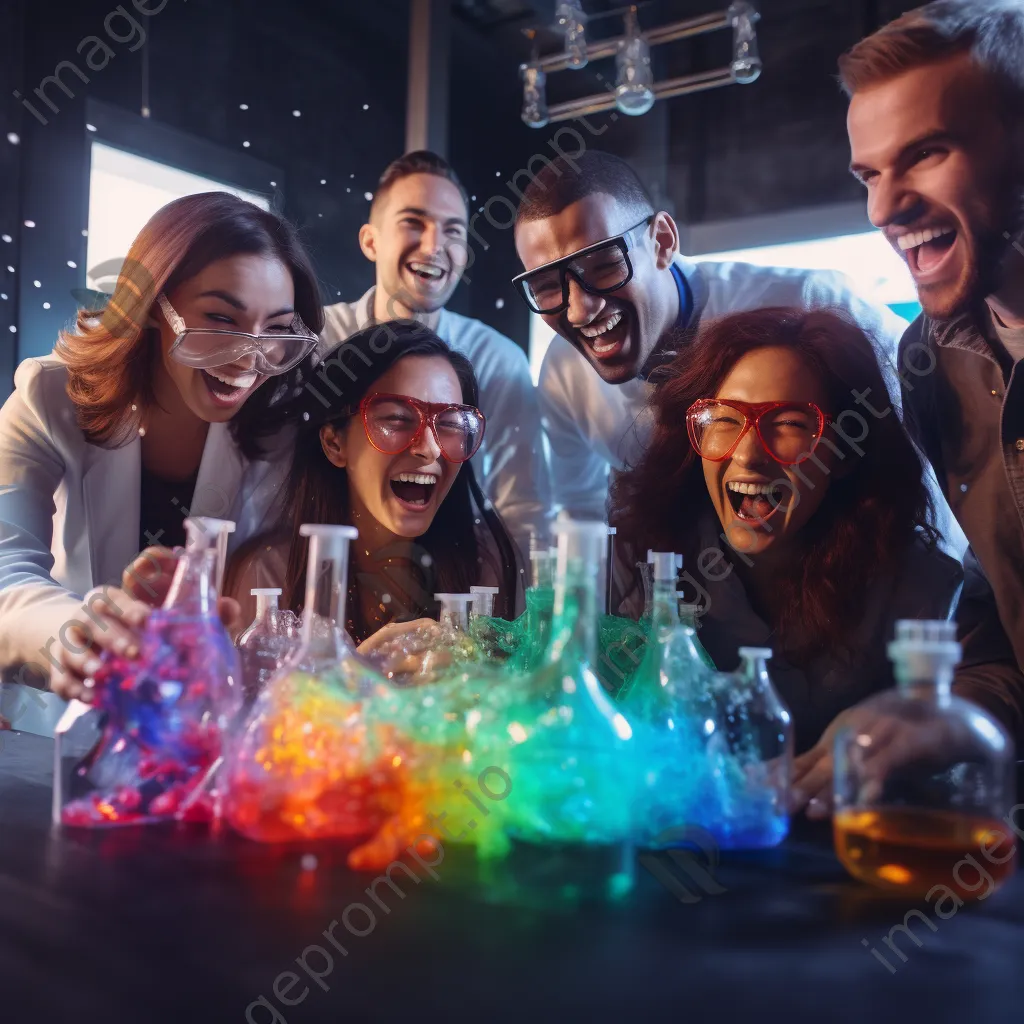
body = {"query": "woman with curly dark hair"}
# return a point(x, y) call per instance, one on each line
point(780, 471)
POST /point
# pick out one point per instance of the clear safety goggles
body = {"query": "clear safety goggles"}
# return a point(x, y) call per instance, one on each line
point(272, 354)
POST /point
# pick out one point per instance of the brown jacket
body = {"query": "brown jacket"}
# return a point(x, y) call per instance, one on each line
point(963, 402)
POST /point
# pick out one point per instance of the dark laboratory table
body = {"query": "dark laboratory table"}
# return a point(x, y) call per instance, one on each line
point(170, 924)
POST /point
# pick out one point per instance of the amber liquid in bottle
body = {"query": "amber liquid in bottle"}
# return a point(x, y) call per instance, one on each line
point(909, 850)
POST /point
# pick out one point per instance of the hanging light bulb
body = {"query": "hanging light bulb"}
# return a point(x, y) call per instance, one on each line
point(535, 102)
point(572, 20)
point(746, 62)
point(633, 92)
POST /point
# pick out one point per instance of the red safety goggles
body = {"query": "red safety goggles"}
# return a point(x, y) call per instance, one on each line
point(788, 431)
point(394, 423)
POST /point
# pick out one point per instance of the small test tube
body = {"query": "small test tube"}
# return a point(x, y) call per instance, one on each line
point(455, 610)
point(666, 564)
point(483, 601)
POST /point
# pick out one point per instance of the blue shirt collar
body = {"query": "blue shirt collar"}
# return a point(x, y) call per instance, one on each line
point(685, 298)
point(665, 350)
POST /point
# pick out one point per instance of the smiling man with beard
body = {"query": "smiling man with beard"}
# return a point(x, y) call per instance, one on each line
point(603, 268)
point(416, 238)
point(936, 125)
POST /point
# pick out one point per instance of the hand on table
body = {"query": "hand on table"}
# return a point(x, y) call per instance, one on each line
point(885, 741)
point(115, 619)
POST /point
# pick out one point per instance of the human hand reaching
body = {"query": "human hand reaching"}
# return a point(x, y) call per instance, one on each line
point(885, 741)
point(114, 620)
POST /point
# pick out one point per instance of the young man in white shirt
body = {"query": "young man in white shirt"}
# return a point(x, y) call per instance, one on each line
point(602, 266)
point(417, 238)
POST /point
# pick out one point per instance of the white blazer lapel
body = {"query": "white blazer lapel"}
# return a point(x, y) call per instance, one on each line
point(112, 489)
point(220, 476)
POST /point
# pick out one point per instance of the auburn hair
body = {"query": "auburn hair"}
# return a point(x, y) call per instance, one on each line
point(111, 354)
point(991, 31)
point(868, 517)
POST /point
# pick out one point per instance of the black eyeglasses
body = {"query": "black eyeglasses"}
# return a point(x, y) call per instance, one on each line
point(599, 269)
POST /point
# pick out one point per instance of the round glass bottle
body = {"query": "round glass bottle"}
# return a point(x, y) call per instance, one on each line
point(924, 778)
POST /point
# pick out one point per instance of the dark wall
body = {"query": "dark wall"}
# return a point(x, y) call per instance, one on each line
point(205, 59)
point(11, 48)
point(776, 144)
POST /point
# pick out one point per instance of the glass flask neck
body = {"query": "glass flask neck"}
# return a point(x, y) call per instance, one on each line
point(753, 669)
point(454, 613)
point(192, 590)
point(323, 618)
point(266, 607)
point(575, 616)
point(924, 655)
point(924, 681)
point(483, 601)
point(582, 555)
point(540, 569)
point(664, 605)
point(207, 531)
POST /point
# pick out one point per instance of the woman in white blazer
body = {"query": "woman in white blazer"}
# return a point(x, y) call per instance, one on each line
point(153, 410)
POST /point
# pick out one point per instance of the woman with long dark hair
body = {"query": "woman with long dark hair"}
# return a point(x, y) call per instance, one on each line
point(779, 470)
point(162, 405)
point(389, 424)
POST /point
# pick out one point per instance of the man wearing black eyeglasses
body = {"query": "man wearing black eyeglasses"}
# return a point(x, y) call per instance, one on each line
point(602, 267)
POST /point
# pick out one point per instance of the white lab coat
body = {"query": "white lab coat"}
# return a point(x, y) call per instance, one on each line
point(511, 464)
point(69, 510)
point(594, 427)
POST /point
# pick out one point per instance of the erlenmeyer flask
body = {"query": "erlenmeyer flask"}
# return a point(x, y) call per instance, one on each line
point(663, 702)
point(167, 711)
point(568, 749)
point(305, 765)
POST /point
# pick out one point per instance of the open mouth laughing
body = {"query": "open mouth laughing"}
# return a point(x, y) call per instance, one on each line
point(414, 491)
point(430, 276)
point(753, 502)
point(607, 337)
point(228, 389)
point(927, 250)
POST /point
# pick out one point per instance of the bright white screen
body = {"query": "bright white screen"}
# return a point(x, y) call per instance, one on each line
point(125, 190)
point(867, 258)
